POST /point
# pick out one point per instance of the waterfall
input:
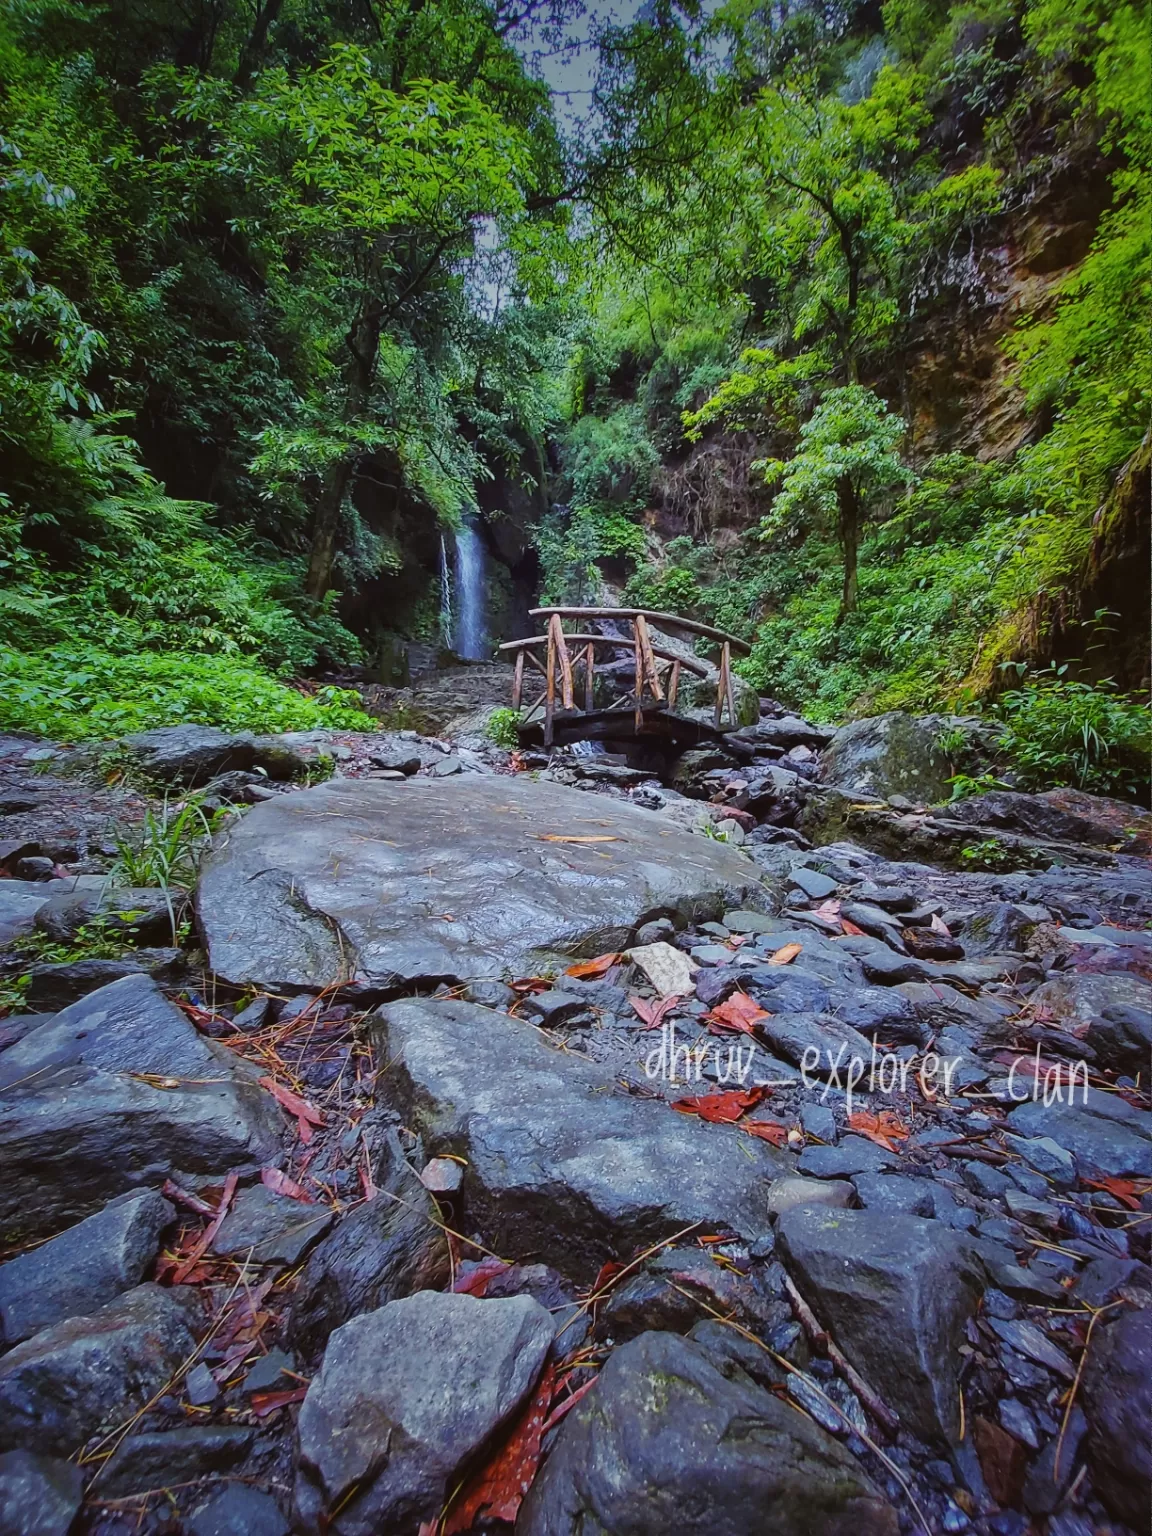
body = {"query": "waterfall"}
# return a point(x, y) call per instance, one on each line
point(469, 634)
point(445, 595)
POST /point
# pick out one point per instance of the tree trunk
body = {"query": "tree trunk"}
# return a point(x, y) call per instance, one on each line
point(363, 341)
point(848, 530)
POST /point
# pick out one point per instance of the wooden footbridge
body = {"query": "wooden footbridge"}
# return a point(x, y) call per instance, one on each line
point(633, 693)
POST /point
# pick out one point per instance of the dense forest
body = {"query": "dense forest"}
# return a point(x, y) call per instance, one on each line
point(824, 321)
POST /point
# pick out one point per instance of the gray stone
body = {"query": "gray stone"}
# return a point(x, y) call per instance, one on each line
point(200, 1386)
point(890, 754)
point(1112, 1012)
point(237, 1511)
point(819, 1121)
point(787, 1193)
point(156, 1459)
point(86, 1266)
point(1027, 1340)
point(39, 1495)
point(189, 754)
point(751, 922)
point(890, 1192)
point(787, 989)
point(267, 1228)
point(812, 882)
point(1016, 1419)
point(796, 1035)
point(1102, 1279)
point(376, 1253)
point(1098, 1141)
point(255, 1016)
point(1117, 1401)
point(896, 1293)
point(81, 1126)
point(141, 914)
point(20, 900)
point(447, 880)
point(555, 1007)
point(666, 1442)
point(59, 984)
point(404, 1396)
point(785, 732)
point(268, 1372)
point(59, 1388)
point(560, 1162)
point(854, 1154)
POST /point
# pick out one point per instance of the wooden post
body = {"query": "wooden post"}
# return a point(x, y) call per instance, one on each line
point(518, 680)
point(550, 683)
point(645, 642)
point(674, 684)
point(558, 644)
point(589, 678)
point(638, 718)
point(722, 684)
point(731, 692)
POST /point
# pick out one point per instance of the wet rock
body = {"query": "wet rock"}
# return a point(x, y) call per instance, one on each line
point(795, 1036)
point(890, 754)
point(674, 1290)
point(140, 913)
point(854, 1154)
point(1100, 1136)
point(81, 1126)
point(59, 1388)
point(785, 733)
point(812, 882)
point(157, 1459)
point(59, 985)
point(555, 1008)
point(593, 1173)
point(1038, 816)
point(86, 1266)
point(237, 1511)
point(1101, 1280)
point(20, 900)
point(665, 1442)
point(1112, 1012)
point(788, 989)
point(896, 1293)
point(890, 1192)
point(376, 1253)
point(1054, 1469)
point(788, 1193)
point(267, 1228)
point(448, 880)
point(1117, 1396)
point(39, 1495)
point(189, 754)
point(404, 1396)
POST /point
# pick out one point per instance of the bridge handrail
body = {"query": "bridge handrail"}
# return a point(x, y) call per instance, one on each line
point(660, 620)
point(688, 664)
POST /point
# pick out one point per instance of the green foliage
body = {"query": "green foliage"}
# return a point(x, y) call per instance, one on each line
point(1060, 731)
point(501, 727)
point(76, 693)
point(166, 849)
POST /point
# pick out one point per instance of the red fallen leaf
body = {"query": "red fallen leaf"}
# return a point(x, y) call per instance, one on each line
point(767, 1130)
point(528, 984)
point(479, 1277)
point(829, 909)
point(885, 1129)
point(264, 1403)
point(655, 1011)
point(497, 1489)
point(210, 1231)
point(785, 955)
point(280, 1184)
point(304, 1128)
point(608, 1272)
point(720, 1108)
point(739, 1012)
point(568, 1404)
point(851, 928)
point(590, 968)
point(1127, 1191)
point(292, 1102)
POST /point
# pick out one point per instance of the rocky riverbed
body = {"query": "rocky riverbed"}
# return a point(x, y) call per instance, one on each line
point(495, 1140)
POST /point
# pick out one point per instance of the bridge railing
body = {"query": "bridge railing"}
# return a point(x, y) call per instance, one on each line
point(565, 660)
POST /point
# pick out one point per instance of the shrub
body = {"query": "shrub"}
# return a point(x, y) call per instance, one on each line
point(83, 693)
point(501, 727)
point(1058, 731)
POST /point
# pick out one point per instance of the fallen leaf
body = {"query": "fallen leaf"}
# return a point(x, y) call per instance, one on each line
point(655, 1011)
point(885, 1128)
point(851, 928)
point(589, 968)
point(304, 1129)
point(938, 925)
point(785, 955)
point(292, 1102)
point(829, 909)
point(264, 1403)
point(767, 1130)
point(280, 1184)
point(568, 1404)
point(607, 1272)
point(205, 1242)
point(740, 1012)
point(479, 1277)
point(1127, 1191)
point(563, 837)
point(720, 1108)
point(497, 1489)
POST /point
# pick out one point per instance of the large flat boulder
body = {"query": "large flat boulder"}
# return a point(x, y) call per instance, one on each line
point(666, 1442)
point(895, 753)
point(390, 883)
point(562, 1164)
